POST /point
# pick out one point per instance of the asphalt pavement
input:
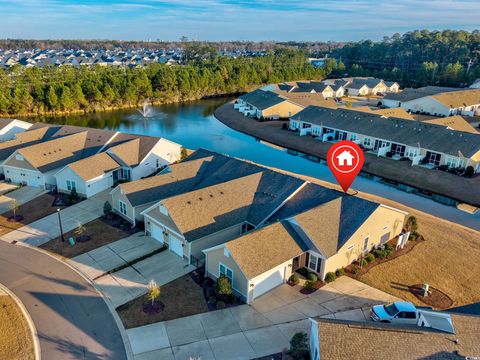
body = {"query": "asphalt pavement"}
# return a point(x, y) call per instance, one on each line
point(72, 319)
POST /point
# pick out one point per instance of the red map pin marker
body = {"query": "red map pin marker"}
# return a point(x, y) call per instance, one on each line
point(345, 160)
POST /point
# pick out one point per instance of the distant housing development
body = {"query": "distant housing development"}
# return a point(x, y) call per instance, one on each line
point(251, 224)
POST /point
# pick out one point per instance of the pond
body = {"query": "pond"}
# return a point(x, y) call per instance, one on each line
point(193, 125)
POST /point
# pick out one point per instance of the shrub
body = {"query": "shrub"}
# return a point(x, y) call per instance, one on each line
point(73, 195)
point(370, 257)
point(303, 271)
point(107, 208)
point(312, 277)
point(363, 262)
point(221, 305)
point(294, 279)
point(212, 300)
point(223, 286)
point(411, 224)
point(299, 346)
point(414, 236)
point(210, 292)
point(469, 171)
point(388, 252)
point(330, 277)
point(183, 153)
point(308, 285)
point(355, 270)
point(388, 246)
point(379, 254)
point(284, 126)
point(340, 272)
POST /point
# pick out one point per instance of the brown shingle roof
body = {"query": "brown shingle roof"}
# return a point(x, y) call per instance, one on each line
point(94, 166)
point(456, 122)
point(131, 153)
point(55, 153)
point(456, 99)
point(262, 250)
point(341, 340)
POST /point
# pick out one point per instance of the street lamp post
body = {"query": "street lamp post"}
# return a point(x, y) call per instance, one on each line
point(60, 223)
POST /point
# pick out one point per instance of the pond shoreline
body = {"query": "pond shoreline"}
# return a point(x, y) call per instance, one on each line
point(435, 185)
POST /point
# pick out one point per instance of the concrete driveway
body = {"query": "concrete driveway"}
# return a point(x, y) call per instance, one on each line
point(47, 228)
point(21, 195)
point(103, 259)
point(245, 332)
point(131, 282)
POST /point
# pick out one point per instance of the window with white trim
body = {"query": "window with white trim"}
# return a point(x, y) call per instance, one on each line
point(365, 244)
point(367, 141)
point(123, 207)
point(225, 271)
point(313, 262)
point(71, 185)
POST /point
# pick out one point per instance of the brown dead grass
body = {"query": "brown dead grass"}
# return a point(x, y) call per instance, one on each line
point(181, 297)
point(15, 337)
point(100, 232)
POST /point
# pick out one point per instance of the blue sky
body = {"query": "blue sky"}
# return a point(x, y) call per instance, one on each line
point(231, 20)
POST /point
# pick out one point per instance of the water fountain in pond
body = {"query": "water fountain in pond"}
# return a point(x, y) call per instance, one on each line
point(146, 111)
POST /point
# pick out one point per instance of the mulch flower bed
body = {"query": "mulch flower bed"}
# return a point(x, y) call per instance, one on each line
point(396, 253)
point(316, 285)
point(208, 286)
point(435, 298)
point(120, 223)
point(83, 238)
point(15, 218)
point(153, 308)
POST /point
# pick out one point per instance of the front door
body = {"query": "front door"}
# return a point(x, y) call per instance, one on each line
point(296, 263)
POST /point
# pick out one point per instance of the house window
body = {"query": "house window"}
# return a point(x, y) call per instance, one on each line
point(412, 152)
point(433, 158)
point(367, 142)
point(126, 174)
point(453, 162)
point(225, 271)
point(71, 185)
point(158, 163)
point(365, 244)
point(313, 262)
point(246, 227)
point(353, 137)
point(19, 157)
point(123, 207)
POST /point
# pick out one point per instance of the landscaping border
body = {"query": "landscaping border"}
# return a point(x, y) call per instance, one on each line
point(31, 324)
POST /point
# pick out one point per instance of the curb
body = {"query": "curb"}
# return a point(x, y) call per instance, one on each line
point(31, 325)
point(121, 328)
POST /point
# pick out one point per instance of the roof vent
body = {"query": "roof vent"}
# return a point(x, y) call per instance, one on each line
point(200, 198)
point(211, 195)
point(221, 192)
point(189, 202)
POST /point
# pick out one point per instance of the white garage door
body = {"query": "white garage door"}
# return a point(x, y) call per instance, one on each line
point(175, 245)
point(17, 177)
point(157, 233)
point(98, 186)
point(269, 282)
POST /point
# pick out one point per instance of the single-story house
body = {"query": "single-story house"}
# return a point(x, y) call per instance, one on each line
point(423, 143)
point(475, 84)
point(322, 239)
point(200, 219)
point(143, 156)
point(266, 105)
point(332, 339)
point(10, 127)
point(365, 86)
point(202, 168)
point(316, 87)
point(88, 176)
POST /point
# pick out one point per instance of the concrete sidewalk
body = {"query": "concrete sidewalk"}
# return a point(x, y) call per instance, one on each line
point(21, 195)
point(99, 261)
point(47, 228)
point(245, 331)
point(131, 282)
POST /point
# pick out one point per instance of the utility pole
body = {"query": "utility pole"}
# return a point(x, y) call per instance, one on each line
point(60, 224)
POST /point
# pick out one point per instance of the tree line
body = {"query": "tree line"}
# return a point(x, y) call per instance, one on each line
point(68, 89)
point(416, 58)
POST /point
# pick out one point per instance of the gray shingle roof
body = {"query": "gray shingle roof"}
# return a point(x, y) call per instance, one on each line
point(412, 94)
point(262, 99)
point(412, 133)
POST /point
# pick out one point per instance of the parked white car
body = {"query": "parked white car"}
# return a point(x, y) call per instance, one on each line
point(399, 312)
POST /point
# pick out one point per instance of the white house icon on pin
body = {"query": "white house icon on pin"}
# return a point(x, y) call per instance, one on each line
point(345, 158)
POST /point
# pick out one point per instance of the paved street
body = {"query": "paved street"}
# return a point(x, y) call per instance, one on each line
point(71, 318)
point(262, 329)
point(47, 228)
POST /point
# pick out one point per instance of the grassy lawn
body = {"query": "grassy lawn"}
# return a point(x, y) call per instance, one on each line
point(447, 260)
point(15, 336)
point(31, 211)
point(100, 232)
point(181, 297)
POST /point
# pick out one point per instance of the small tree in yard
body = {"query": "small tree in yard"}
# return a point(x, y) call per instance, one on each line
point(107, 208)
point(223, 286)
point(73, 195)
point(153, 291)
point(299, 346)
point(411, 224)
point(80, 230)
point(14, 207)
point(183, 153)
